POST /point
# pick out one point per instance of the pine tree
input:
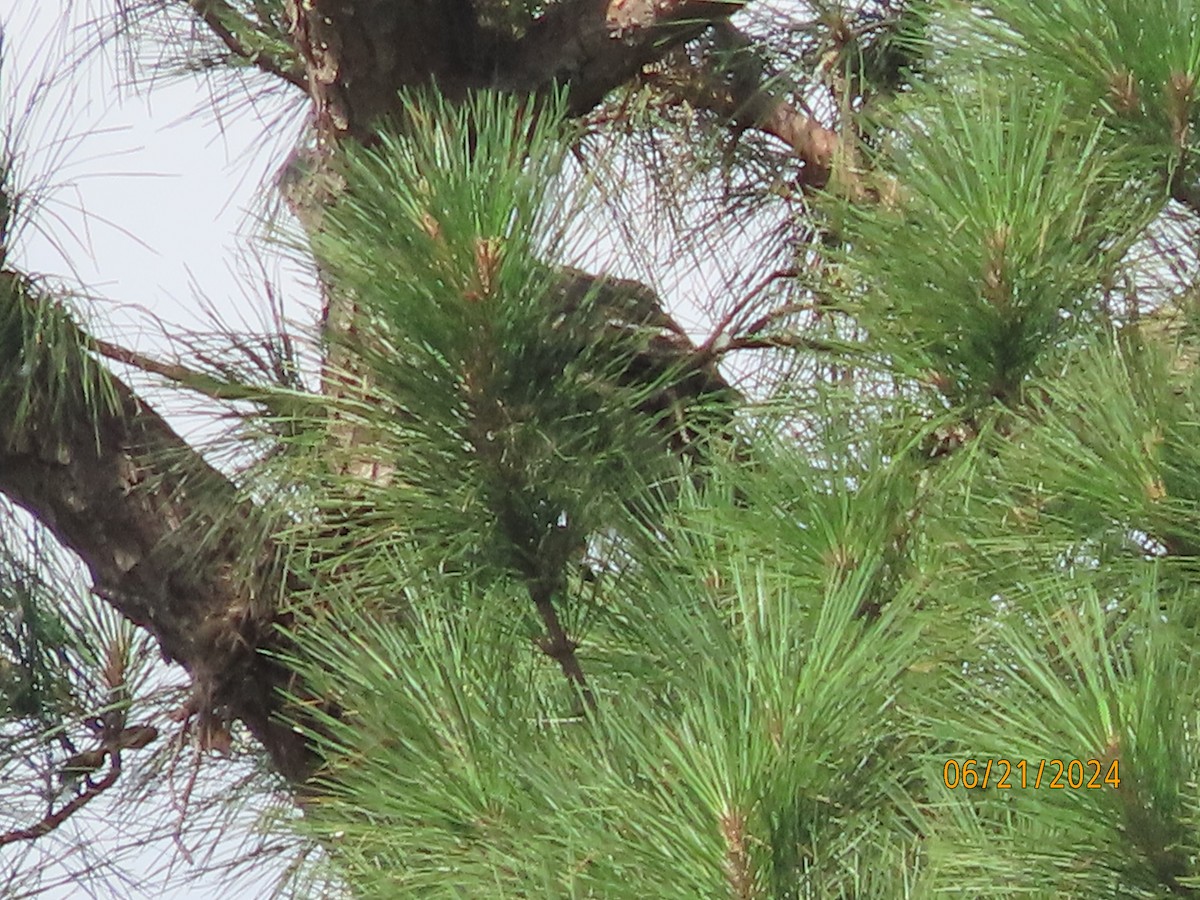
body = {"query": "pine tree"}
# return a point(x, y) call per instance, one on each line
point(883, 587)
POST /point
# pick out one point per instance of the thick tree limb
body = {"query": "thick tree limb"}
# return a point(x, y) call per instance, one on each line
point(593, 46)
point(360, 54)
point(160, 531)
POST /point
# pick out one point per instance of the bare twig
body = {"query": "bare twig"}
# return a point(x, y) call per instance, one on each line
point(760, 324)
point(776, 342)
point(200, 382)
point(171, 371)
point(743, 304)
point(54, 819)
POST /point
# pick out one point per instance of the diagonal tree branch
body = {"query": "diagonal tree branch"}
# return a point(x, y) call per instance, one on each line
point(735, 88)
point(52, 820)
point(162, 533)
point(594, 46)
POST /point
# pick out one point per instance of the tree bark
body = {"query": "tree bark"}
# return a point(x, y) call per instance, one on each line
point(160, 531)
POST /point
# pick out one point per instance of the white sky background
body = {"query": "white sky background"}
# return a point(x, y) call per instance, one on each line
point(149, 201)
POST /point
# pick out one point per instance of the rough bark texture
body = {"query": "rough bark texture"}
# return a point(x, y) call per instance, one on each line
point(120, 491)
point(360, 54)
point(118, 486)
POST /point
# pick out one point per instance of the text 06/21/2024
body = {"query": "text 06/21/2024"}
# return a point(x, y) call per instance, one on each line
point(1053, 774)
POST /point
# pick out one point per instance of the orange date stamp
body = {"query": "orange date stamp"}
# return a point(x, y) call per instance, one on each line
point(1051, 774)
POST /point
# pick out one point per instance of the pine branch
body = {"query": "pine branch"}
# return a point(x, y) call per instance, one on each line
point(557, 644)
point(593, 47)
point(776, 342)
point(728, 320)
point(192, 379)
